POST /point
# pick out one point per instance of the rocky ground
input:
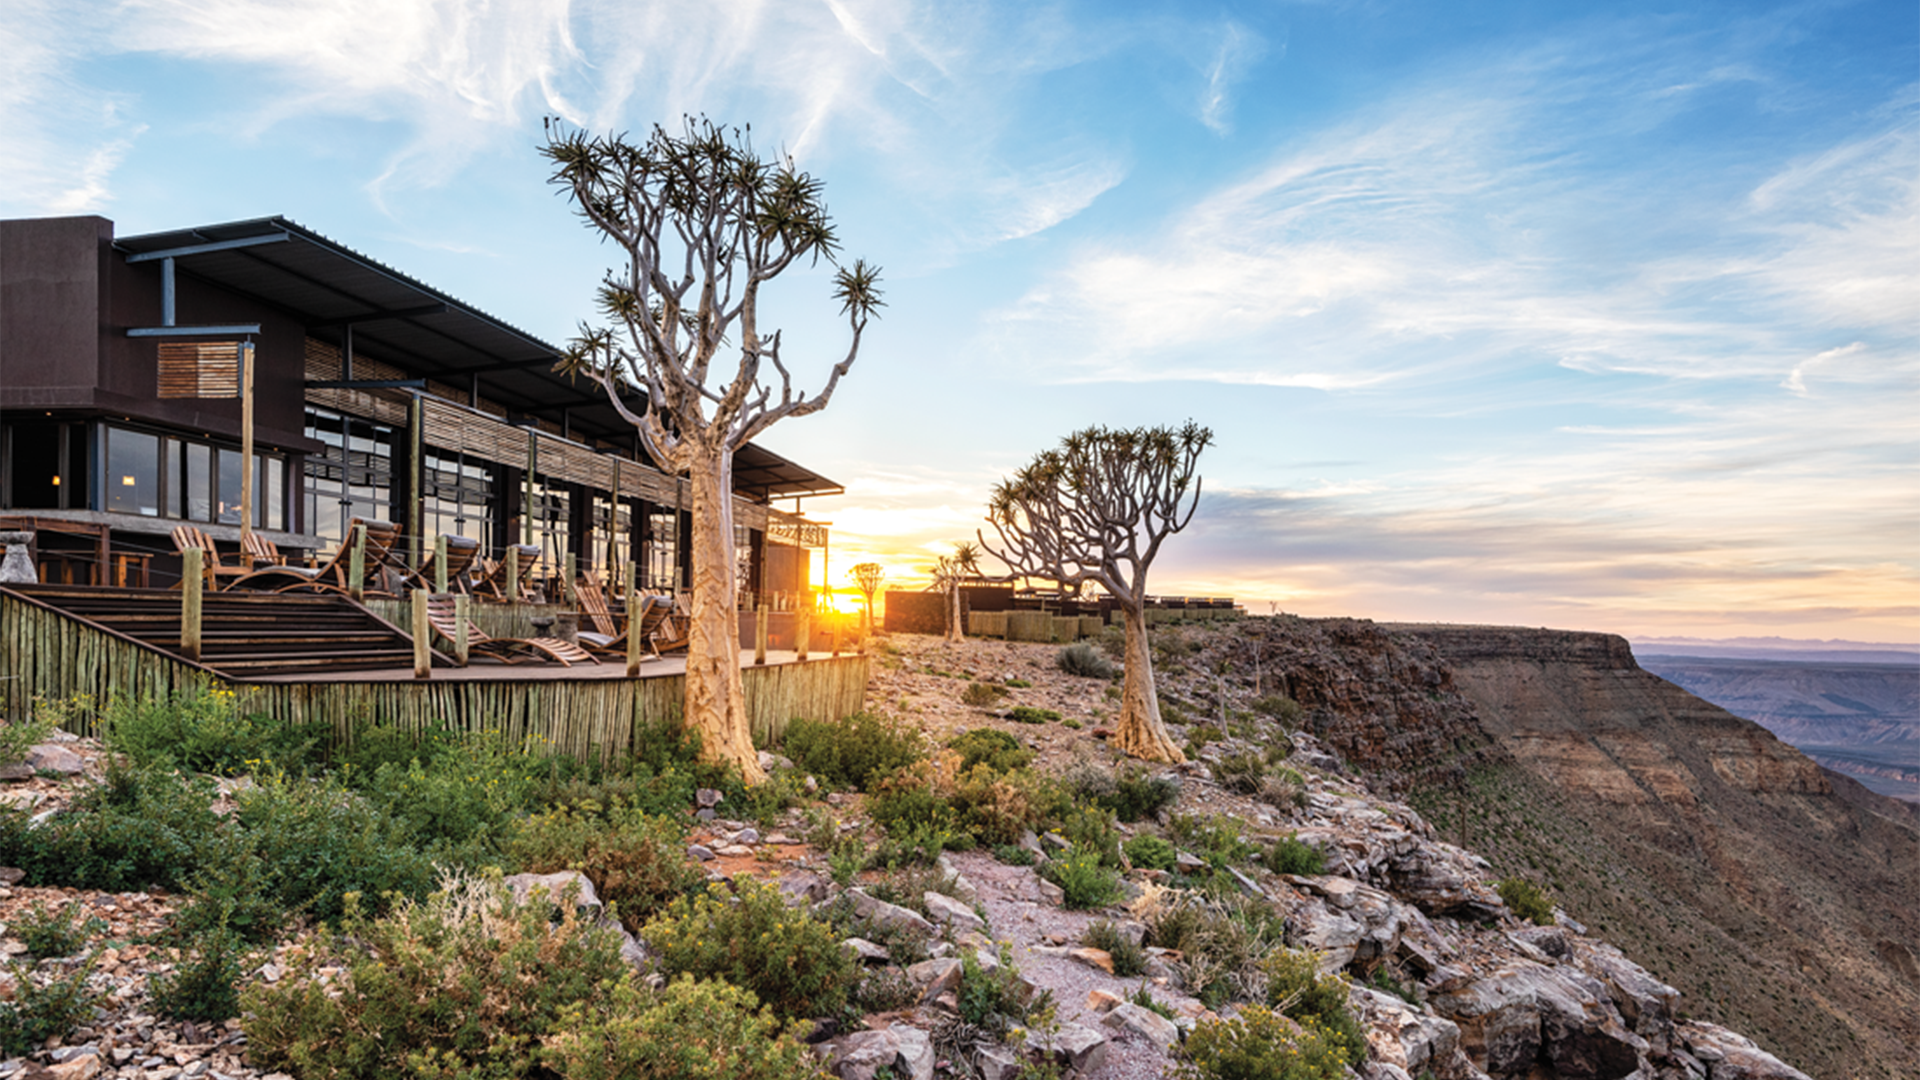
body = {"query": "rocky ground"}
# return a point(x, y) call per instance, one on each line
point(1486, 994)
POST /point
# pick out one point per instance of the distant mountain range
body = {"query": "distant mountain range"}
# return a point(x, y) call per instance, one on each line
point(1854, 707)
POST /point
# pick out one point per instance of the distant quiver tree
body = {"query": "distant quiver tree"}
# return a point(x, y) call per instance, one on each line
point(949, 573)
point(1096, 509)
point(867, 576)
point(703, 222)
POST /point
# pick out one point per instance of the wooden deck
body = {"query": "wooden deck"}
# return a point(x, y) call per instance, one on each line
point(585, 710)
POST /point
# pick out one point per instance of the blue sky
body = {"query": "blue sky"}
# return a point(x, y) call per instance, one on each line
point(1528, 313)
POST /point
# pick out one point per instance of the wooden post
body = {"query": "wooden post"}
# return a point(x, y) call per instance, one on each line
point(357, 565)
point(461, 650)
point(246, 452)
point(440, 564)
point(416, 473)
point(636, 615)
point(422, 636)
point(566, 580)
point(513, 574)
point(802, 630)
point(760, 635)
point(191, 582)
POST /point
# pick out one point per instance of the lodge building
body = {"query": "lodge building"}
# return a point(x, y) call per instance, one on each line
point(374, 396)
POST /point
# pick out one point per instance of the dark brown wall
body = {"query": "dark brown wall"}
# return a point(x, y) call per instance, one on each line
point(915, 612)
point(50, 310)
point(67, 300)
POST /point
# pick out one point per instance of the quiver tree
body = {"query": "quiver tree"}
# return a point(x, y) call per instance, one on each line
point(868, 576)
point(1096, 510)
point(703, 223)
point(951, 572)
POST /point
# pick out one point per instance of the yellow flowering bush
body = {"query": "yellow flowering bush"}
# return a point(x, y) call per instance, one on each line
point(1261, 1044)
point(792, 961)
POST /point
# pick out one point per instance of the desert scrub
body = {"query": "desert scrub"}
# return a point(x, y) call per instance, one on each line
point(1241, 773)
point(994, 997)
point(18, 738)
point(1215, 838)
point(792, 961)
point(1291, 855)
point(686, 1030)
point(458, 803)
point(1138, 794)
point(467, 983)
point(1527, 900)
point(994, 806)
point(636, 861)
point(1280, 707)
point(1085, 661)
point(140, 828)
point(991, 747)
point(49, 934)
point(202, 984)
point(1284, 788)
point(319, 841)
point(1221, 942)
point(1151, 853)
point(1129, 959)
point(1083, 879)
point(202, 730)
point(855, 752)
point(1259, 1044)
point(1028, 714)
point(1297, 988)
point(982, 695)
point(46, 1003)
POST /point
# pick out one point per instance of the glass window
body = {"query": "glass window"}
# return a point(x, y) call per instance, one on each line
point(133, 472)
point(352, 477)
point(33, 465)
point(551, 511)
point(198, 487)
point(611, 522)
point(227, 490)
point(743, 565)
point(662, 561)
point(173, 491)
point(273, 489)
point(456, 497)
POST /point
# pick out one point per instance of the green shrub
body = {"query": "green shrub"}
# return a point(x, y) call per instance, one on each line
point(1261, 1045)
point(686, 1030)
point(595, 787)
point(1527, 900)
point(1129, 959)
point(1221, 942)
point(1027, 714)
point(50, 934)
point(1082, 877)
point(856, 752)
point(201, 730)
point(981, 695)
point(635, 860)
point(1280, 707)
point(140, 828)
point(1138, 794)
point(1151, 853)
point(465, 984)
point(1090, 828)
point(792, 961)
point(1297, 988)
point(1284, 788)
point(902, 810)
point(996, 807)
point(1241, 773)
point(18, 738)
point(1013, 855)
point(1083, 660)
point(1279, 749)
point(42, 1010)
point(458, 803)
point(1145, 999)
point(994, 998)
point(1019, 684)
point(1290, 855)
point(202, 986)
point(991, 747)
point(1215, 838)
point(319, 841)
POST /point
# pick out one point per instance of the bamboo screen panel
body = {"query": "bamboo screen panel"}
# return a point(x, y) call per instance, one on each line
point(323, 363)
point(201, 369)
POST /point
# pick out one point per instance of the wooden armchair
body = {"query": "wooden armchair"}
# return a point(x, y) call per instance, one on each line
point(190, 538)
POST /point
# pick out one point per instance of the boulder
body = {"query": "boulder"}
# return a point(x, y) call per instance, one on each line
point(996, 1063)
point(1093, 957)
point(1403, 1036)
point(1316, 926)
point(52, 757)
point(887, 916)
point(1729, 1056)
point(1647, 1005)
point(946, 909)
point(867, 951)
point(935, 977)
point(1074, 1046)
point(902, 1051)
point(1144, 1022)
point(1525, 1015)
point(802, 888)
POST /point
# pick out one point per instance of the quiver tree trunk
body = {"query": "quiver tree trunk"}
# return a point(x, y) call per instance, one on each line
point(956, 630)
point(716, 698)
point(1141, 733)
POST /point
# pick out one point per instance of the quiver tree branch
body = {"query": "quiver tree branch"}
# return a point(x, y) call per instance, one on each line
point(1096, 510)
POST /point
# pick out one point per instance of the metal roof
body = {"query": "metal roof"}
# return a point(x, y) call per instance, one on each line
point(407, 323)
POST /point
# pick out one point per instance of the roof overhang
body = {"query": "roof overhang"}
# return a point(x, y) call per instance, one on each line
point(422, 331)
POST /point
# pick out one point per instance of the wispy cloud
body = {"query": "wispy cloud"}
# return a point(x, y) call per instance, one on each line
point(64, 138)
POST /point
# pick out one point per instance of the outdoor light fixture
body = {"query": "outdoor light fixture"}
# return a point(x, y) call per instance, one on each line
point(126, 481)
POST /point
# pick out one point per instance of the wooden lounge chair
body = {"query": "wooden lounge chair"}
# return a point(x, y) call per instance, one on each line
point(188, 538)
point(653, 613)
point(461, 552)
point(592, 598)
point(261, 550)
point(440, 613)
point(676, 628)
point(493, 576)
point(331, 576)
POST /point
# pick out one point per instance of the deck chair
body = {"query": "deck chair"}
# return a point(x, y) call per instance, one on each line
point(440, 613)
point(461, 552)
point(652, 614)
point(676, 627)
point(263, 551)
point(331, 576)
point(592, 598)
point(493, 575)
point(187, 538)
